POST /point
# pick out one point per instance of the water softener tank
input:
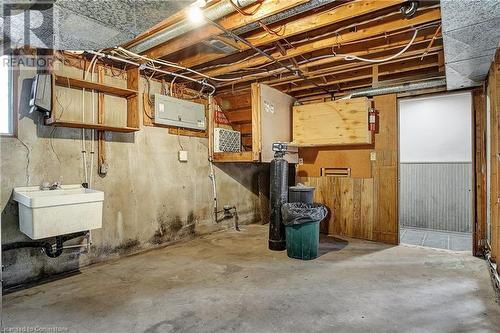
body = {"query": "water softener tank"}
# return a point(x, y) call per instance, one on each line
point(278, 196)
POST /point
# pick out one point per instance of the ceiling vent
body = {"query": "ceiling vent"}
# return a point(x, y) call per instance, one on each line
point(221, 46)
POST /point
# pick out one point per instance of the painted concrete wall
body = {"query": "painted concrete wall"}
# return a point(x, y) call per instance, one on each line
point(151, 198)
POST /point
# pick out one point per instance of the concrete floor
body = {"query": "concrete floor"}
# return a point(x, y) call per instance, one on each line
point(229, 281)
point(449, 240)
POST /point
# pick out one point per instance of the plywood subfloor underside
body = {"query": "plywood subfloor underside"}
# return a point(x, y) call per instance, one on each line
point(229, 281)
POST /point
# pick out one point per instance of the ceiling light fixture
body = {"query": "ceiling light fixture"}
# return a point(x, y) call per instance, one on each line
point(195, 15)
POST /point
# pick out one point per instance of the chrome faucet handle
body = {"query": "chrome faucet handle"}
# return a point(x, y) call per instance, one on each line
point(45, 186)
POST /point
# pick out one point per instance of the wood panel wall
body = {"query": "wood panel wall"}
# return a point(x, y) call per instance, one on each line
point(493, 91)
point(365, 207)
point(479, 227)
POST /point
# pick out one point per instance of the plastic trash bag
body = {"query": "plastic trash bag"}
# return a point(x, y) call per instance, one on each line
point(295, 213)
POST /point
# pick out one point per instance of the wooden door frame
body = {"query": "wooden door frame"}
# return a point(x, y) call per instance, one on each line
point(479, 241)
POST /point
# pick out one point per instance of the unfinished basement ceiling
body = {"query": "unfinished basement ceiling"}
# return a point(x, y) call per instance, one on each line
point(468, 49)
point(82, 24)
point(312, 37)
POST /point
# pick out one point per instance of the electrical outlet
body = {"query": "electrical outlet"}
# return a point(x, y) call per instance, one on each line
point(373, 156)
point(183, 156)
point(301, 161)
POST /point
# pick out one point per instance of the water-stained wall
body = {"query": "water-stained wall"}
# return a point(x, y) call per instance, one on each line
point(151, 198)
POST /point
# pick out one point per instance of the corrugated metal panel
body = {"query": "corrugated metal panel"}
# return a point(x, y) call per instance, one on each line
point(436, 196)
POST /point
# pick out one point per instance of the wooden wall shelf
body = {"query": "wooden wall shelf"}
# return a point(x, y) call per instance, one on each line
point(100, 127)
point(69, 82)
point(130, 93)
point(244, 156)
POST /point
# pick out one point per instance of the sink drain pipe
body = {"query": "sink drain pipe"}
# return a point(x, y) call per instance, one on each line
point(52, 251)
point(227, 211)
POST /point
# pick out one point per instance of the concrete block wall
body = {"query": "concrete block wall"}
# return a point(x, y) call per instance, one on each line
point(151, 198)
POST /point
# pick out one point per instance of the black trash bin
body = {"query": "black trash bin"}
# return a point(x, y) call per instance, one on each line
point(301, 222)
point(301, 193)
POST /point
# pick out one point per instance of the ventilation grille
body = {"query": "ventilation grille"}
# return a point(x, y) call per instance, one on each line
point(221, 46)
point(226, 140)
point(336, 172)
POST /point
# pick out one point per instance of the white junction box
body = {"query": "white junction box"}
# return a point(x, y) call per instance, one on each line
point(183, 156)
point(226, 140)
point(49, 213)
point(178, 112)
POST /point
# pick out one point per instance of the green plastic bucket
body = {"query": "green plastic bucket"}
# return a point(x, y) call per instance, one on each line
point(302, 240)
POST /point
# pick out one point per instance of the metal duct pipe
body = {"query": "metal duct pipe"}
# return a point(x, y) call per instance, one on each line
point(312, 4)
point(213, 13)
point(396, 89)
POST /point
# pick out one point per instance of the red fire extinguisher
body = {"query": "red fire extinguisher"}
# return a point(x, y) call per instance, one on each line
point(372, 120)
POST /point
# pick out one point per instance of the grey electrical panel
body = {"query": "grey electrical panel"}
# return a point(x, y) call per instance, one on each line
point(178, 112)
point(41, 94)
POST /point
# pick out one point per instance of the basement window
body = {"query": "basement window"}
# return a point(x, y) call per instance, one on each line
point(6, 109)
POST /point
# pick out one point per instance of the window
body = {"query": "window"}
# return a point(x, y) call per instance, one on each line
point(6, 109)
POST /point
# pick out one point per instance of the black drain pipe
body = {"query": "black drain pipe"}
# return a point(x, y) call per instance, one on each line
point(46, 246)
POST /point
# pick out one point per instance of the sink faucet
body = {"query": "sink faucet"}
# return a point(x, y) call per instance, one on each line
point(46, 186)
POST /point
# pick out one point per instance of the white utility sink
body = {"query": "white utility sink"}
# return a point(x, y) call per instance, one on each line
point(68, 209)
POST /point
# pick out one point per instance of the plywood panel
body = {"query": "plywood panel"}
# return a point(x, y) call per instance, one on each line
point(386, 223)
point(365, 208)
point(366, 221)
point(341, 122)
point(356, 159)
point(350, 204)
point(275, 120)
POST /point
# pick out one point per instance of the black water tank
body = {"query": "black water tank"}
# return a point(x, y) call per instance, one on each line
point(278, 196)
point(301, 194)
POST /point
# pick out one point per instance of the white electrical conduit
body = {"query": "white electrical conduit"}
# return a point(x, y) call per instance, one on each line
point(89, 181)
point(171, 64)
point(350, 57)
point(214, 190)
point(145, 66)
point(172, 86)
point(92, 146)
point(84, 146)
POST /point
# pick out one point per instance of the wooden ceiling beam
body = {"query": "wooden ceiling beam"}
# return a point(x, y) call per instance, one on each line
point(359, 65)
point(302, 25)
point(233, 21)
point(366, 73)
point(392, 79)
point(422, 17)
point(334, 70)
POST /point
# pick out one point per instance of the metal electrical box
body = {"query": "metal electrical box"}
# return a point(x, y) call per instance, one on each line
point(178, 112)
